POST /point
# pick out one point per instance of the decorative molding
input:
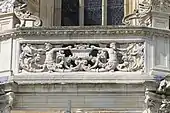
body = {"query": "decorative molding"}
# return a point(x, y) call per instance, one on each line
point(86, 31)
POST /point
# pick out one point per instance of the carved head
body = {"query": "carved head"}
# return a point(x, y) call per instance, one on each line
point(113, 45)
point(48, 46)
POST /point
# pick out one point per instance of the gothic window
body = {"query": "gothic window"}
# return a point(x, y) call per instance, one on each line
point(92, 12)
point(115, 12)
point(70, 13)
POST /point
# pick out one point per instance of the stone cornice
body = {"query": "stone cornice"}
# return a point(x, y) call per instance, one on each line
point(78, 31)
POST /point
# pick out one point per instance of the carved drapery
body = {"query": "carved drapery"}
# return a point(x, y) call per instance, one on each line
point(126, 57)
point(19, 7)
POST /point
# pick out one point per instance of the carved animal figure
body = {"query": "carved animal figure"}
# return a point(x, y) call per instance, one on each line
point(24, 15)
point(142, 15)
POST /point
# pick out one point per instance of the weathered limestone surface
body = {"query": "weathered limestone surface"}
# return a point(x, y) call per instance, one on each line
point(113, 97)
point(118, 69)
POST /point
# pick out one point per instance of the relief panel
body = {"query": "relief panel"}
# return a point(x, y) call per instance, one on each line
point(81, 57)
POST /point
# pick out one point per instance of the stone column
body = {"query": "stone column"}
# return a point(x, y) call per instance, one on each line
point(81, 12)
point(57, 12)
point(104, 12)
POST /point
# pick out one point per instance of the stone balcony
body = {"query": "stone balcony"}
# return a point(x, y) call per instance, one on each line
point(87, 53)
point(71, 60)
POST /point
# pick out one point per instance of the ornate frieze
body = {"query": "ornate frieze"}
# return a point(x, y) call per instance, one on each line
point(88, 57)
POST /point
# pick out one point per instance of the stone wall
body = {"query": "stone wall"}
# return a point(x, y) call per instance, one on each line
point(89, 97)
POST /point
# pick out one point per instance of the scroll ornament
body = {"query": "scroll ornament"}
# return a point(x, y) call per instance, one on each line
point(141, 15)
point(82, 57)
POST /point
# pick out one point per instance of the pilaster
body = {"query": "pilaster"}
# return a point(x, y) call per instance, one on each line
point(57, 12)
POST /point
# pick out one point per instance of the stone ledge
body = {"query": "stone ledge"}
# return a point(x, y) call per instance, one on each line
point(78, 31)
point(81, 77)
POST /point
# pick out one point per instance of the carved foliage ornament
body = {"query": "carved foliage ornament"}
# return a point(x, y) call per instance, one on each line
point(19, 7)
point(82, 57)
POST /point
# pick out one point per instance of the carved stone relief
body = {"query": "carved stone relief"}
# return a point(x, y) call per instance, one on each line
point(126, 57)
point(165, 105)
point(161, 5)
point(142, 15)
point(19, 7)
point(24, 15)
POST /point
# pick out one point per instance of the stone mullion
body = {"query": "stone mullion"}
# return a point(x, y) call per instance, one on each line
point(81, 12)
point(126, 7)
point(104, 12)
point(57, 14)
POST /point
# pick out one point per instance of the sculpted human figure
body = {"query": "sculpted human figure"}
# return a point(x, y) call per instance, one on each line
point(138, 53)
point(26, 57)
point(49, 61)
point(112, 60)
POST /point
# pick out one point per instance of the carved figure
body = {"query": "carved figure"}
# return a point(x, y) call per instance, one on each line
point(150, 104)
point(24, 15)
point(163, 85)
point(142, 15)
point(112, 61)
point(9, 102)
point(138, 57)
point(80, 57)
point(165, 106)
point(49, 61)
point(26, 57)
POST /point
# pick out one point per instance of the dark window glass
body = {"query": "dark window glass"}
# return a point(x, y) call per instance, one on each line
point(70, 13)
point(115, 12)
point(92, 12)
